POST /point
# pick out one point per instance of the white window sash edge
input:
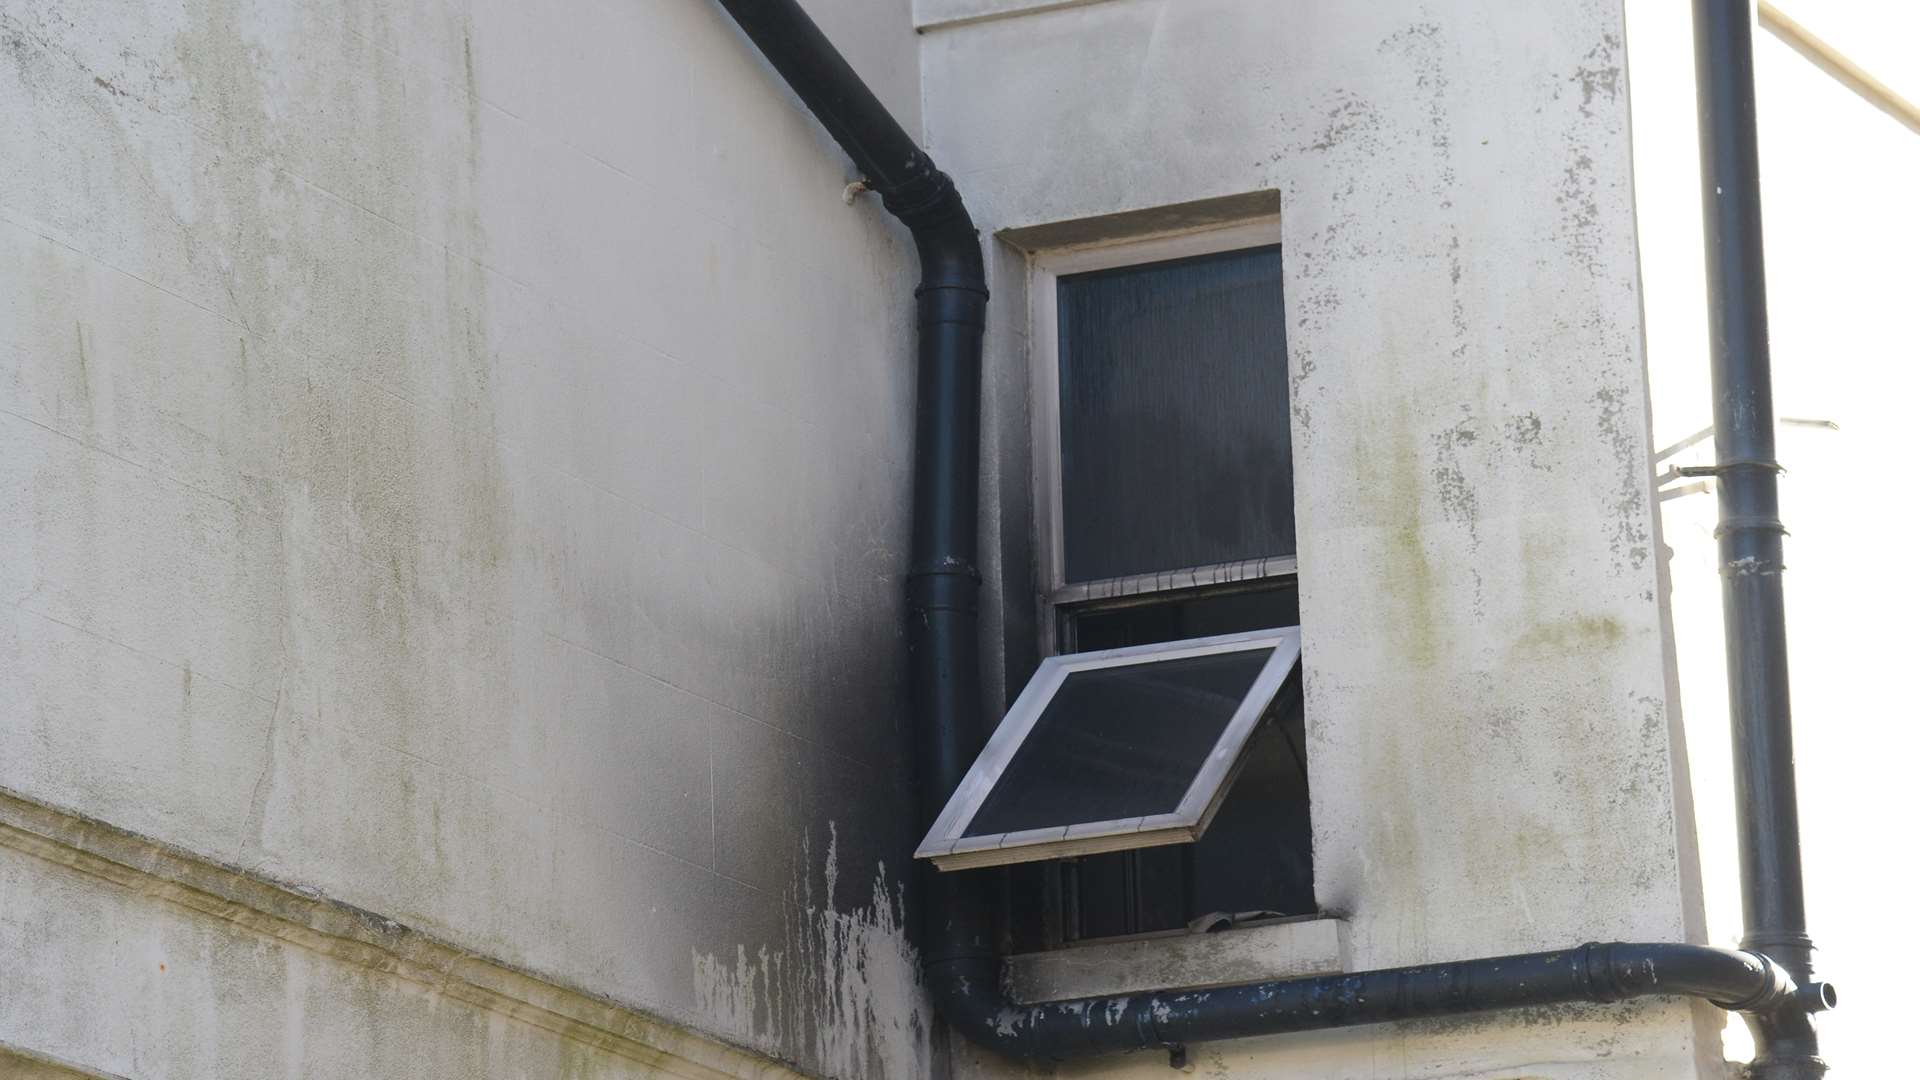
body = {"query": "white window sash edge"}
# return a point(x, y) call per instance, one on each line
point(948, 829)
point(1062, 848)
point(1207, 239)
point(946, 837)
point(1210, 783)
point(1270, 568)
point(1277, 637)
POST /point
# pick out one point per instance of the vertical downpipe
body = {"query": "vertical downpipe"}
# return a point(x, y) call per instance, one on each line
point(1750, 532)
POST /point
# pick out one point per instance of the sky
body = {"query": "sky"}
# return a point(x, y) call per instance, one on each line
point(1842, 228)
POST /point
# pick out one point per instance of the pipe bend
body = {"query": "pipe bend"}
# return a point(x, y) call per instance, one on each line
point(1733, 979)
point(966, 994)
point(950, 259)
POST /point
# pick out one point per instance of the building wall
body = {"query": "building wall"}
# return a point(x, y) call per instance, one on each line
point(453, 461)
point(455, 477)
point(1490, 709)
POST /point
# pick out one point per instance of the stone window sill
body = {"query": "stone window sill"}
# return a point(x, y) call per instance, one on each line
point(1277, 950)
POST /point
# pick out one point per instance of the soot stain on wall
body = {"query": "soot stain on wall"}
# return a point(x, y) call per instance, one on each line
point(842, 994)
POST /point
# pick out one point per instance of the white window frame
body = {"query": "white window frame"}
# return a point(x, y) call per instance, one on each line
point(949, 847)
point(1044, 269)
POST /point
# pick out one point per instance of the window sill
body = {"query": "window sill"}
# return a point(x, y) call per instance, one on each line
point(1282, 950)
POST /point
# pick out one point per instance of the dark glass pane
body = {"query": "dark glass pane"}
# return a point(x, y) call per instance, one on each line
point(1033, 906)
point(1119, 742)
point(1180, 618)
point(1104, 886)
point(1173, 415)
point(1258, 853)
point(1132, 892)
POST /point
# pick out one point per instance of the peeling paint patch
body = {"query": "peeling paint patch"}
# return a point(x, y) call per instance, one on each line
point(1526, 436)
point(843, 993)
point(1457, 499)
point(1425, 47)
point(1632, 541)
point(1599, 75)
point(1348, 118)
point(1599, 78)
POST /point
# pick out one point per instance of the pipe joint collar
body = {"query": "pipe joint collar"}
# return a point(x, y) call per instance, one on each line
point(1737, 523)
point(1598, 979)
point(925, 199)
point(947, 567)
point(1794, 942)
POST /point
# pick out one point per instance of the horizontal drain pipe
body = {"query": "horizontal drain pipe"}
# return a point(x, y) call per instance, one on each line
point(1737, 981)
point(960, 969)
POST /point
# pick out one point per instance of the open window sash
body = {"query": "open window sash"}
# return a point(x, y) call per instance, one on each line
point(1114, 750)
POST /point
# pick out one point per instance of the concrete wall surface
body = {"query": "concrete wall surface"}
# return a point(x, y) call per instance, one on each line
point(1490, 709)
point(453, 460)
point(454, 466)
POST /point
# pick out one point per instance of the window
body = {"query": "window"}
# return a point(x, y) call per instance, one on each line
point(1172, 405)
point(1121, 749)
point(1163, 496)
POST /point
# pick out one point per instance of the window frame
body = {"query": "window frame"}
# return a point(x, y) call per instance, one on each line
point(1044, 269)
point(950, 849)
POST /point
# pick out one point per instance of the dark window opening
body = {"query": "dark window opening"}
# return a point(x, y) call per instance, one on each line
point(1177, 616)
point(1257, 856)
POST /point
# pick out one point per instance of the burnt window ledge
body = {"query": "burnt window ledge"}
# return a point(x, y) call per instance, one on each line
point(1282, 949)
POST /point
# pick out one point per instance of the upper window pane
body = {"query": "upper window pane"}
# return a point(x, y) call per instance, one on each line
point(1173, 415)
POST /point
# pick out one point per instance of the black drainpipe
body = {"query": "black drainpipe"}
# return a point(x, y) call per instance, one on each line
point(1750, 532)
point(960, 969)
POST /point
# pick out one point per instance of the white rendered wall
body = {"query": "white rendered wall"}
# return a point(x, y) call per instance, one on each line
point(453, 459)
point(1841, 228)
point(1490, 712)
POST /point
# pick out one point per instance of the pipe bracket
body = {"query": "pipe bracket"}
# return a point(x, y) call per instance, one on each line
point(1731, 465)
